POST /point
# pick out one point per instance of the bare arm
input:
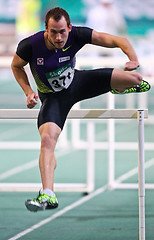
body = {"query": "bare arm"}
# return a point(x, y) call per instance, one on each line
point(21, 77)
point(111, 41)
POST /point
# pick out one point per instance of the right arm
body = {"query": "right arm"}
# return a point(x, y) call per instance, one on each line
point(111, 41)
point(22, 79)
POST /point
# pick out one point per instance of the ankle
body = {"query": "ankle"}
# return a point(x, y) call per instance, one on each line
point(48, 191)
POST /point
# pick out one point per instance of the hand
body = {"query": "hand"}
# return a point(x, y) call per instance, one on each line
point(131, 65)
point(32, 99)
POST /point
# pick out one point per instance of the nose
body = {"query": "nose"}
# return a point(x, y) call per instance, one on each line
point(58, 36)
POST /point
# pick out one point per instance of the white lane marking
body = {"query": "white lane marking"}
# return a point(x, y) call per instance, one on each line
point(12, 133)
point(134, 171)
point(79, 202)
point(28, 166)
point(60, 213)
point(70, 207)
point(18, 169)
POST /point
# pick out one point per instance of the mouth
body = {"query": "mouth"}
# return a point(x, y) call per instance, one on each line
point(59, 44)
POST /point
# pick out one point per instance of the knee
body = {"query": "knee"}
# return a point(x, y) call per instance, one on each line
point(47, 141)
point(136, 78)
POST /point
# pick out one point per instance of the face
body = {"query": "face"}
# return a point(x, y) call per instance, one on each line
point(57, 32)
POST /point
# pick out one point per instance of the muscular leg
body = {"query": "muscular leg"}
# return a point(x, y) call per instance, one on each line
point(49, 133)
point(122, 80)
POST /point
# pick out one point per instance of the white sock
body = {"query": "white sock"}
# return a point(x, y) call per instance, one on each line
point(120, 92)
point(48, 191)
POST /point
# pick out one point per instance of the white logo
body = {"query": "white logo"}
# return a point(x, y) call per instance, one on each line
point(64, 59)
point(40, 61)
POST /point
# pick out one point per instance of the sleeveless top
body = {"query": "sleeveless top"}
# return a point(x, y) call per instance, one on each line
point(53, 70)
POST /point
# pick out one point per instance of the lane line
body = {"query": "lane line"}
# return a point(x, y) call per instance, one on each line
point(79, 202)
point(134, 171)
point(12, 133)
point(19, 169)
point(27, 166)
point(60, 213)
point(31, 164)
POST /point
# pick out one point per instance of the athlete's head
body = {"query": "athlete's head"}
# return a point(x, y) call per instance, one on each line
point(58, 26)
point(56, 14)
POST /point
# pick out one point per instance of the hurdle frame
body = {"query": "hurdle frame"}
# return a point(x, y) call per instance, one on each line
point(140, 115)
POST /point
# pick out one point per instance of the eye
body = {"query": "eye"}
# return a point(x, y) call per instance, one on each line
point(62, 31)
point(53, 31)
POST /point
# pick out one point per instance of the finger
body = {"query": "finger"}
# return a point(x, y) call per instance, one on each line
point(31, 105)
point(36, 97)
point(34, 101)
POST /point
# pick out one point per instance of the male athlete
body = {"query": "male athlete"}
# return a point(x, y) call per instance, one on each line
point(51, 56)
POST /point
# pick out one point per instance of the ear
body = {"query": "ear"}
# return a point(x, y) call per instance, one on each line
point(70, 27)
point(46, 28)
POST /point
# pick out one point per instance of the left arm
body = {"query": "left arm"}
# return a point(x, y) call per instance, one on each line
point(111, 41)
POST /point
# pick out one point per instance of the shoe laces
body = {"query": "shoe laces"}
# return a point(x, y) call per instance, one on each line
point(42, 197)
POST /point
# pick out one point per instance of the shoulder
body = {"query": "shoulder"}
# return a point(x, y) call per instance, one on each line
point(24, 49)
point(83, 34)
point(24, 43)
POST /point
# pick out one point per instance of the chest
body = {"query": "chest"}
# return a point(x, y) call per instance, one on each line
point(50, 60)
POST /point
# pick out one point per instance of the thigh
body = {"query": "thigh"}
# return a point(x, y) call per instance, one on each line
point(54, 108)
point(91, 83)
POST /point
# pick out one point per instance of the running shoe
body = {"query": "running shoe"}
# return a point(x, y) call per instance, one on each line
point(42, 202)
point(142, 87)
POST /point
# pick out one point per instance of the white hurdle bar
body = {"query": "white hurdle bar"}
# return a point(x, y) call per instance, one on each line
point(101, 114)
point(75, 114)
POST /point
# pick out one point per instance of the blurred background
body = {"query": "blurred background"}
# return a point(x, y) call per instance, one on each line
point(133, 19)
point(20, 141)
point(23, 17)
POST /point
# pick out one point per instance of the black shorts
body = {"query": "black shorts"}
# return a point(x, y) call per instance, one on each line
point(86, 84)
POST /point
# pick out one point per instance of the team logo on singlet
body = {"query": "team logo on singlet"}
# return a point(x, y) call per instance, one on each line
point(64, 59)
point(40, 61)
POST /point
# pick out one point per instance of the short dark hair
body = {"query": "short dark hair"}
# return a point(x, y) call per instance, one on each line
point(56, 14)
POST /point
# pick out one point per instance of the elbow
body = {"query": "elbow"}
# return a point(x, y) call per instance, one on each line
point(12, 65)
point(125, 41)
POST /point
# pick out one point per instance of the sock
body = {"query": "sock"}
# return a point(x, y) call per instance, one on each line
point(119, 92)
point(48, 191)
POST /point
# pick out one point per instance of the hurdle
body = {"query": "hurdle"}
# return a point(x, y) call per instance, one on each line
point(140, 115)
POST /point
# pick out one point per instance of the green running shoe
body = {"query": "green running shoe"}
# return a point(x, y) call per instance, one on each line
point(42, 202)
point(142, 87)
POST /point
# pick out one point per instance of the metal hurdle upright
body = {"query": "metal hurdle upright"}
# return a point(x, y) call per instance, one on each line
point(98, 114)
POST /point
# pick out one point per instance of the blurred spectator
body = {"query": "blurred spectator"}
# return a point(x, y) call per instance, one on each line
point(28, 20)
point(106, 17)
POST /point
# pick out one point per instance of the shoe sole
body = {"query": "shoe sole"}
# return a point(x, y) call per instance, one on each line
point(31, 206)
point(34, 208)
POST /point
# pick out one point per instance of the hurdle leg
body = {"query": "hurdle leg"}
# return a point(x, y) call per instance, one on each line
point(111, 142)
point(141, 175)
point(111, 152)
point(90, 157)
